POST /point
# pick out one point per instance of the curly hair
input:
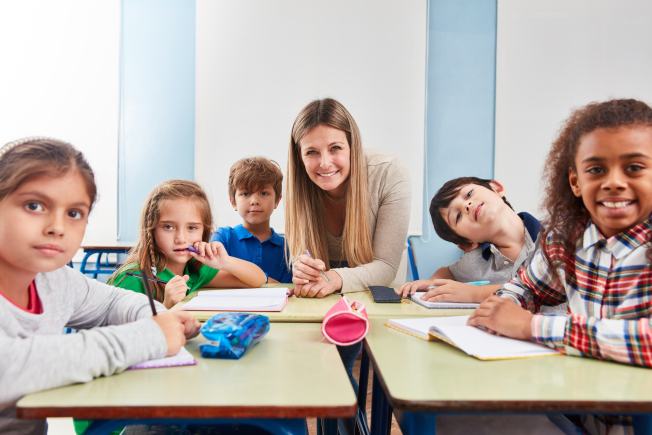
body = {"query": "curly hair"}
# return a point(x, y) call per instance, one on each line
point(567, 215)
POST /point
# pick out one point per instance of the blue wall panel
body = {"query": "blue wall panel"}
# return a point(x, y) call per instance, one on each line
point(157, 101)
point(460, 108)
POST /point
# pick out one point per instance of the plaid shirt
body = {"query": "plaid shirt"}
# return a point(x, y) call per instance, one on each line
point(608, 286)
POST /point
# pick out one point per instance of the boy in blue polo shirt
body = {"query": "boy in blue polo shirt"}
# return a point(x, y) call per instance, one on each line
point(254, 191)
point(474, 214)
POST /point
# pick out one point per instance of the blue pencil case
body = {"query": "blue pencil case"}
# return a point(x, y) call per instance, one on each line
point(231, 335)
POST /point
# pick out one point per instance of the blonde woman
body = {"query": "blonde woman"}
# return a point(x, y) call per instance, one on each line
point(348, 206)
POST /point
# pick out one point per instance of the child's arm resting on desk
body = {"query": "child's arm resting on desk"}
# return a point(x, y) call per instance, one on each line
point(627, 341)
point(50, 359)
point(234, 272)
point(448, 290)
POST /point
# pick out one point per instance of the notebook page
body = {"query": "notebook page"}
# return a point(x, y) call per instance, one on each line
point(476, 342)
point(246, 292)
point(183, 358)
point(421, 327)
point(416, 298)
point(234, 303)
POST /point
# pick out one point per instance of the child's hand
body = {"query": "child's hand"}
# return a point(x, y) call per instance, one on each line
point(190, 324)
point(212, 255)
point(502, 316)
point(320, 288)
point(449, 290)
point(175, 291)
point(174, 330)
point(409, 288)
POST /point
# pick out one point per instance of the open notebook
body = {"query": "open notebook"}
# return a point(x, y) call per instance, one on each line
point(472, 340)
point(416, 298)
point(183, 358)
point(258, 299)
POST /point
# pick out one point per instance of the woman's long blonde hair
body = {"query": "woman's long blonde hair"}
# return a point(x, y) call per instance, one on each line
point(304, 206)
point(146, 255)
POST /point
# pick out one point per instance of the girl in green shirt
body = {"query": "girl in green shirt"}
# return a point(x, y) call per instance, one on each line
point(177, 215)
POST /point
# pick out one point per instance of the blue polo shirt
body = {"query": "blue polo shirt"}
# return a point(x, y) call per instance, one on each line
point(268, 255)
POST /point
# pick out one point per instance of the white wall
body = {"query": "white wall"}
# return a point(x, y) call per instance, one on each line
point(260, 62)
point(555, 55)
point(60, 78)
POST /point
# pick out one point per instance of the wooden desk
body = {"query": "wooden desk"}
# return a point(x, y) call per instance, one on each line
point(290, 374)
point(298, 310)
point(404, 310)
point(442, 378)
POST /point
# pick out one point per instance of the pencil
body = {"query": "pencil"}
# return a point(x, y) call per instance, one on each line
point(322, 272)
point(148, 291)
point(150, 279)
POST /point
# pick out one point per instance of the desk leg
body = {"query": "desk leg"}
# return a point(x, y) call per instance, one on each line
point(326, 426)
point(417, 423)
point(97, 263)
point(82, 268)
point(363, 382)
point(294, 426)
point(381, 412)
point(642, 424)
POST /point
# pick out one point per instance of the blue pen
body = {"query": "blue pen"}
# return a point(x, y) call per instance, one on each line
point(322, 272)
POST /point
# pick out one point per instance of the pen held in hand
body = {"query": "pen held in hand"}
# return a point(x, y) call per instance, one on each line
point(321, 271)
point(148, 291)
point(150, 279)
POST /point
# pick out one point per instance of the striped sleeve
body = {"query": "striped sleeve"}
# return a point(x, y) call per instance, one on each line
point(627, 341)
point(534, 285)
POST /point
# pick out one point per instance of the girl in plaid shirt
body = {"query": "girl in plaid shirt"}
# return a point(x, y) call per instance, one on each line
point(596, 251)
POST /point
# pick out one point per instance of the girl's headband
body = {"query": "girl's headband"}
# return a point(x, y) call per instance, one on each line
point(11, 145)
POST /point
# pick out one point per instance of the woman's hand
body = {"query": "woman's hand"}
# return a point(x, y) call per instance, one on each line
point(306, 269)
point(501, 316)
point(212, 255)
point(319, 288)
point(175, 291)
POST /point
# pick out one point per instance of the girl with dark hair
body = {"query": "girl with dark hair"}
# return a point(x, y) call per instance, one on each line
point(595, 252)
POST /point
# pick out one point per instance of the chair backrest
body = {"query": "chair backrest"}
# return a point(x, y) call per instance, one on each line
point(413, 261)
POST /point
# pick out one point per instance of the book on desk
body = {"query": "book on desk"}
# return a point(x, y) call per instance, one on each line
point(474, 341)
point(259, 299)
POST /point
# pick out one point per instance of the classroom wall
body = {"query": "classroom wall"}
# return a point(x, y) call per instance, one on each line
point(157, 140)
point(460, 109)
point(592, 51)
point(260, 62)
point(60, 78)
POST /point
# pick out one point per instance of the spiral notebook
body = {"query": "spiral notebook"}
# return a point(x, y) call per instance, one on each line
point(183, 358)
point(469, 339)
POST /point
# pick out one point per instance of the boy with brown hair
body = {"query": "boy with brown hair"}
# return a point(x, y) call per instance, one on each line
point(255, 186)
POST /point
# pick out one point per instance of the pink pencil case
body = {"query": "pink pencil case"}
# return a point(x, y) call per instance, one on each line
point(345, 323)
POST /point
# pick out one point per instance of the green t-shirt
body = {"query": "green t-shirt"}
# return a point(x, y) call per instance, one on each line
point(197, 279)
